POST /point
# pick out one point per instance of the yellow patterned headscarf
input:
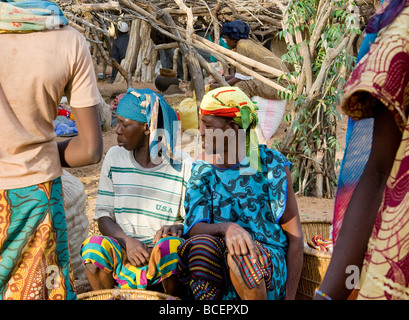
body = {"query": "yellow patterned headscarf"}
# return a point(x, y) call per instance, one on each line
point(234, 103)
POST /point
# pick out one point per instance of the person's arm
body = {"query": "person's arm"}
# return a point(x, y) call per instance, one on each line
point(137, 252)
point(290, 222)
point(85, 148)
point(230, 79)
point(363, 207)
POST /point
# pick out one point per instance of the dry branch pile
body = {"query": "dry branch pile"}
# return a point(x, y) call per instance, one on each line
point(181, 20)
point(178, 20)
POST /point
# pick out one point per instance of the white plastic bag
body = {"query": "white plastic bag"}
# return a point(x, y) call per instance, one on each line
point(270, 114)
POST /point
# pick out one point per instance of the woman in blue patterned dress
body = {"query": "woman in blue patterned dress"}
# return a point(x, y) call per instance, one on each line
point(242, 222)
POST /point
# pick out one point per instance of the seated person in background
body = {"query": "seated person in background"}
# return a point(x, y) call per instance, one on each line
point(140, 198)
point(242, 222)
point(236, 35)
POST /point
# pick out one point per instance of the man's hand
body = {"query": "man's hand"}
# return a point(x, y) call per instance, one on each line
point(174, 230)
point(138, 253)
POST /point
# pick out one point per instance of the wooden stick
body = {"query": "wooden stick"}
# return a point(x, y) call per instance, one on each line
point(113, 63)
point(76, 26)
point(198, 42)
point(234, 55)
point(165, 46)
point(88, 24)
point(210, 70)
point(257, 76)
point(110, 5)
point(131, 57)
point(307, 65)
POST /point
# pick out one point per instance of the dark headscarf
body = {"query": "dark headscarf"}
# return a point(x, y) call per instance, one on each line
point(236, 30)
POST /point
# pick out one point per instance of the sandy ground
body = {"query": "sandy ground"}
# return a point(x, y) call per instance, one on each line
point(310, 208)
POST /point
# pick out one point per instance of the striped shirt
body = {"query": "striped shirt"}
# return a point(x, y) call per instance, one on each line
point(141, 200)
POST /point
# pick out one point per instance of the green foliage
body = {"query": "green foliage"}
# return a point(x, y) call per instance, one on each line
point(313, 122)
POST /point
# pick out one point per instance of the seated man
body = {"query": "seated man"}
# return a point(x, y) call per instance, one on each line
point(140, 198)
point(245, 237)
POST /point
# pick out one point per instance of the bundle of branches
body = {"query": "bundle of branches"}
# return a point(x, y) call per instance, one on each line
point(177, 20)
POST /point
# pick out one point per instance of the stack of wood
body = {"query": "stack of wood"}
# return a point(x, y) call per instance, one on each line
point(179, 20)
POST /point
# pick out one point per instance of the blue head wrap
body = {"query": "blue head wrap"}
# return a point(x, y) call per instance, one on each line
point(236, 30)
point(136, 104)
point(147, 106)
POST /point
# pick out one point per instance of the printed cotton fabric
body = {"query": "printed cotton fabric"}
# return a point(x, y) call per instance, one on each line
point(28, 16)
point(34, 257)
point(383, 73)
point(252, 199)
point(108, 255)
point(202, 265)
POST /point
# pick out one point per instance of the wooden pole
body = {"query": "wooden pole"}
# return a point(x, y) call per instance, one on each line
point(112, 62)
point(192, 60)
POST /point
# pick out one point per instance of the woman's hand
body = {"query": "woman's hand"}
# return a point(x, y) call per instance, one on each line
point(138, 253)
point(239, 241)
point(174, 230)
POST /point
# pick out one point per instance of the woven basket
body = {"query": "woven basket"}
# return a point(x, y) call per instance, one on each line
point(129, 294)
point(315, 262)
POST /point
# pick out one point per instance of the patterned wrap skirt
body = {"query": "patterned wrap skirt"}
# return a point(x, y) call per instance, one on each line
point(34, 258)
point(107, 254)
point(203, 266)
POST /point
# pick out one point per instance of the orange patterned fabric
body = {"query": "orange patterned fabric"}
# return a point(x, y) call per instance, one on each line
point(34, 258)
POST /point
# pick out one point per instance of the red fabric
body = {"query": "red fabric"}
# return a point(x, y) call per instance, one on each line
point(228, 112)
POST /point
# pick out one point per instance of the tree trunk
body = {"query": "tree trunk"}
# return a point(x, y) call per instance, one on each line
point(190, 54)
point(147, 57)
